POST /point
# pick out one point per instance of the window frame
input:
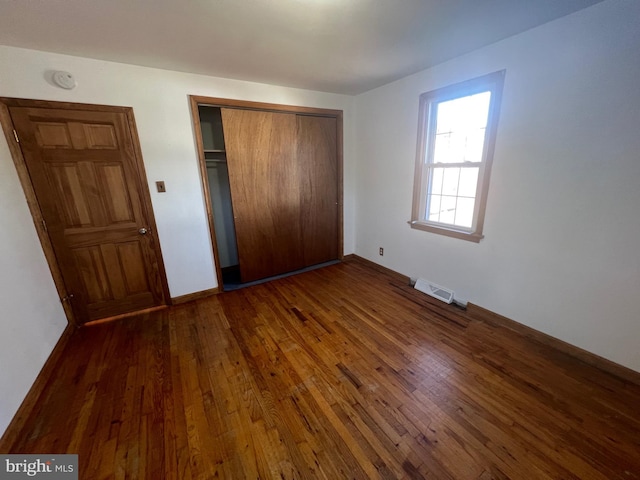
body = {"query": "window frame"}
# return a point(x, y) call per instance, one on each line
point(492, 82)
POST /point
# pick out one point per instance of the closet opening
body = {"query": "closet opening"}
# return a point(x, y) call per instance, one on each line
point(217, 179)
point(272, 182)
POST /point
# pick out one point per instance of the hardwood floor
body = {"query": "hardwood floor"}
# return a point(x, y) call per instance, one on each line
point(341, 372)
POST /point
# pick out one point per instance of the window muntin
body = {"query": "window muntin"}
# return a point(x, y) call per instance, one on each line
point(455, 145)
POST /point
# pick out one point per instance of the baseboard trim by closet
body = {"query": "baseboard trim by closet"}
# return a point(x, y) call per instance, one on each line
point(626, 374)
point(190, 297)
point(352, 257)
point(17, 424)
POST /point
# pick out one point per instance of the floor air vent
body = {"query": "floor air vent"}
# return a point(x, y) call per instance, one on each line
point(436, 291)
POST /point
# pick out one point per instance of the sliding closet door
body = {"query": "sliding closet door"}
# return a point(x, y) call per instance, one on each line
point(318, 183)
point(263, 175)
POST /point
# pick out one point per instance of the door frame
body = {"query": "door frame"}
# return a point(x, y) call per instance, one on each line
point(34, 206)
point(196, 101)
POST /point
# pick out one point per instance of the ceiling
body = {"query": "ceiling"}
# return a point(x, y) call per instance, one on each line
point(340, 46)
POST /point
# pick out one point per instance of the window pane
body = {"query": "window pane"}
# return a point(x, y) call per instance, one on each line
point(447, 209)
point(446, 148)
point(435, 180)
point(433, 208)
point(460, 129)
point(450, 181)
point(468, 182)
point(474, 145)
point(464, 212)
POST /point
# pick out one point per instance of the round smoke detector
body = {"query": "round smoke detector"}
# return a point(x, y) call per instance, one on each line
point(64, 80)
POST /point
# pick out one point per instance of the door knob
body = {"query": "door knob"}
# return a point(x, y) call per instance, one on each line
point(142, 231)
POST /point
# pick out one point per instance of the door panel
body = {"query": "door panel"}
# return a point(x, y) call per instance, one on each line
point(52, 135)
point(65, 179)
point(91, 266)
point(263, 176)
point(115, 191)
point(100, 136)
point(135, 275)
point(318, 183)
point(85, 178)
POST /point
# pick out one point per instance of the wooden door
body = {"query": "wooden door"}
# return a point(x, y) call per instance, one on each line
point(283, 173)
point(263, 176)
point(88, 184)
point(318, 182)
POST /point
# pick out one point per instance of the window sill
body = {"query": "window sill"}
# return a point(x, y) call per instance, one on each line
point(449, 232)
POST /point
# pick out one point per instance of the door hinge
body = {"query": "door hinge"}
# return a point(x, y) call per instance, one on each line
point(67, 298)
point(15, 134)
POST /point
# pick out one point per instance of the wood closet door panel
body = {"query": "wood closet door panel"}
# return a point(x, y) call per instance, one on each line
point(318, 183)
point(263, 175)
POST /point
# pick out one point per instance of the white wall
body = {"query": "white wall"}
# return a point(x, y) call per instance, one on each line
point(562, 227)
point(32, 319)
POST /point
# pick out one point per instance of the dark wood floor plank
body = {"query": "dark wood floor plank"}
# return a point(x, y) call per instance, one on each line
point(340, 372)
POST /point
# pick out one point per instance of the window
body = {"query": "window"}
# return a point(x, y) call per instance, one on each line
point(456, 136)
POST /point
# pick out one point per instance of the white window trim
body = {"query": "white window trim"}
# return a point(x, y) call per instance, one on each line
point(492, 82)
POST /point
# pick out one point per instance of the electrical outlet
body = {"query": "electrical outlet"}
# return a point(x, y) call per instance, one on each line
point(160, 186)
point(381, 251)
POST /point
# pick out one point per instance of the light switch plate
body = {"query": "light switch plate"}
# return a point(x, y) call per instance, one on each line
point(160, 186)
